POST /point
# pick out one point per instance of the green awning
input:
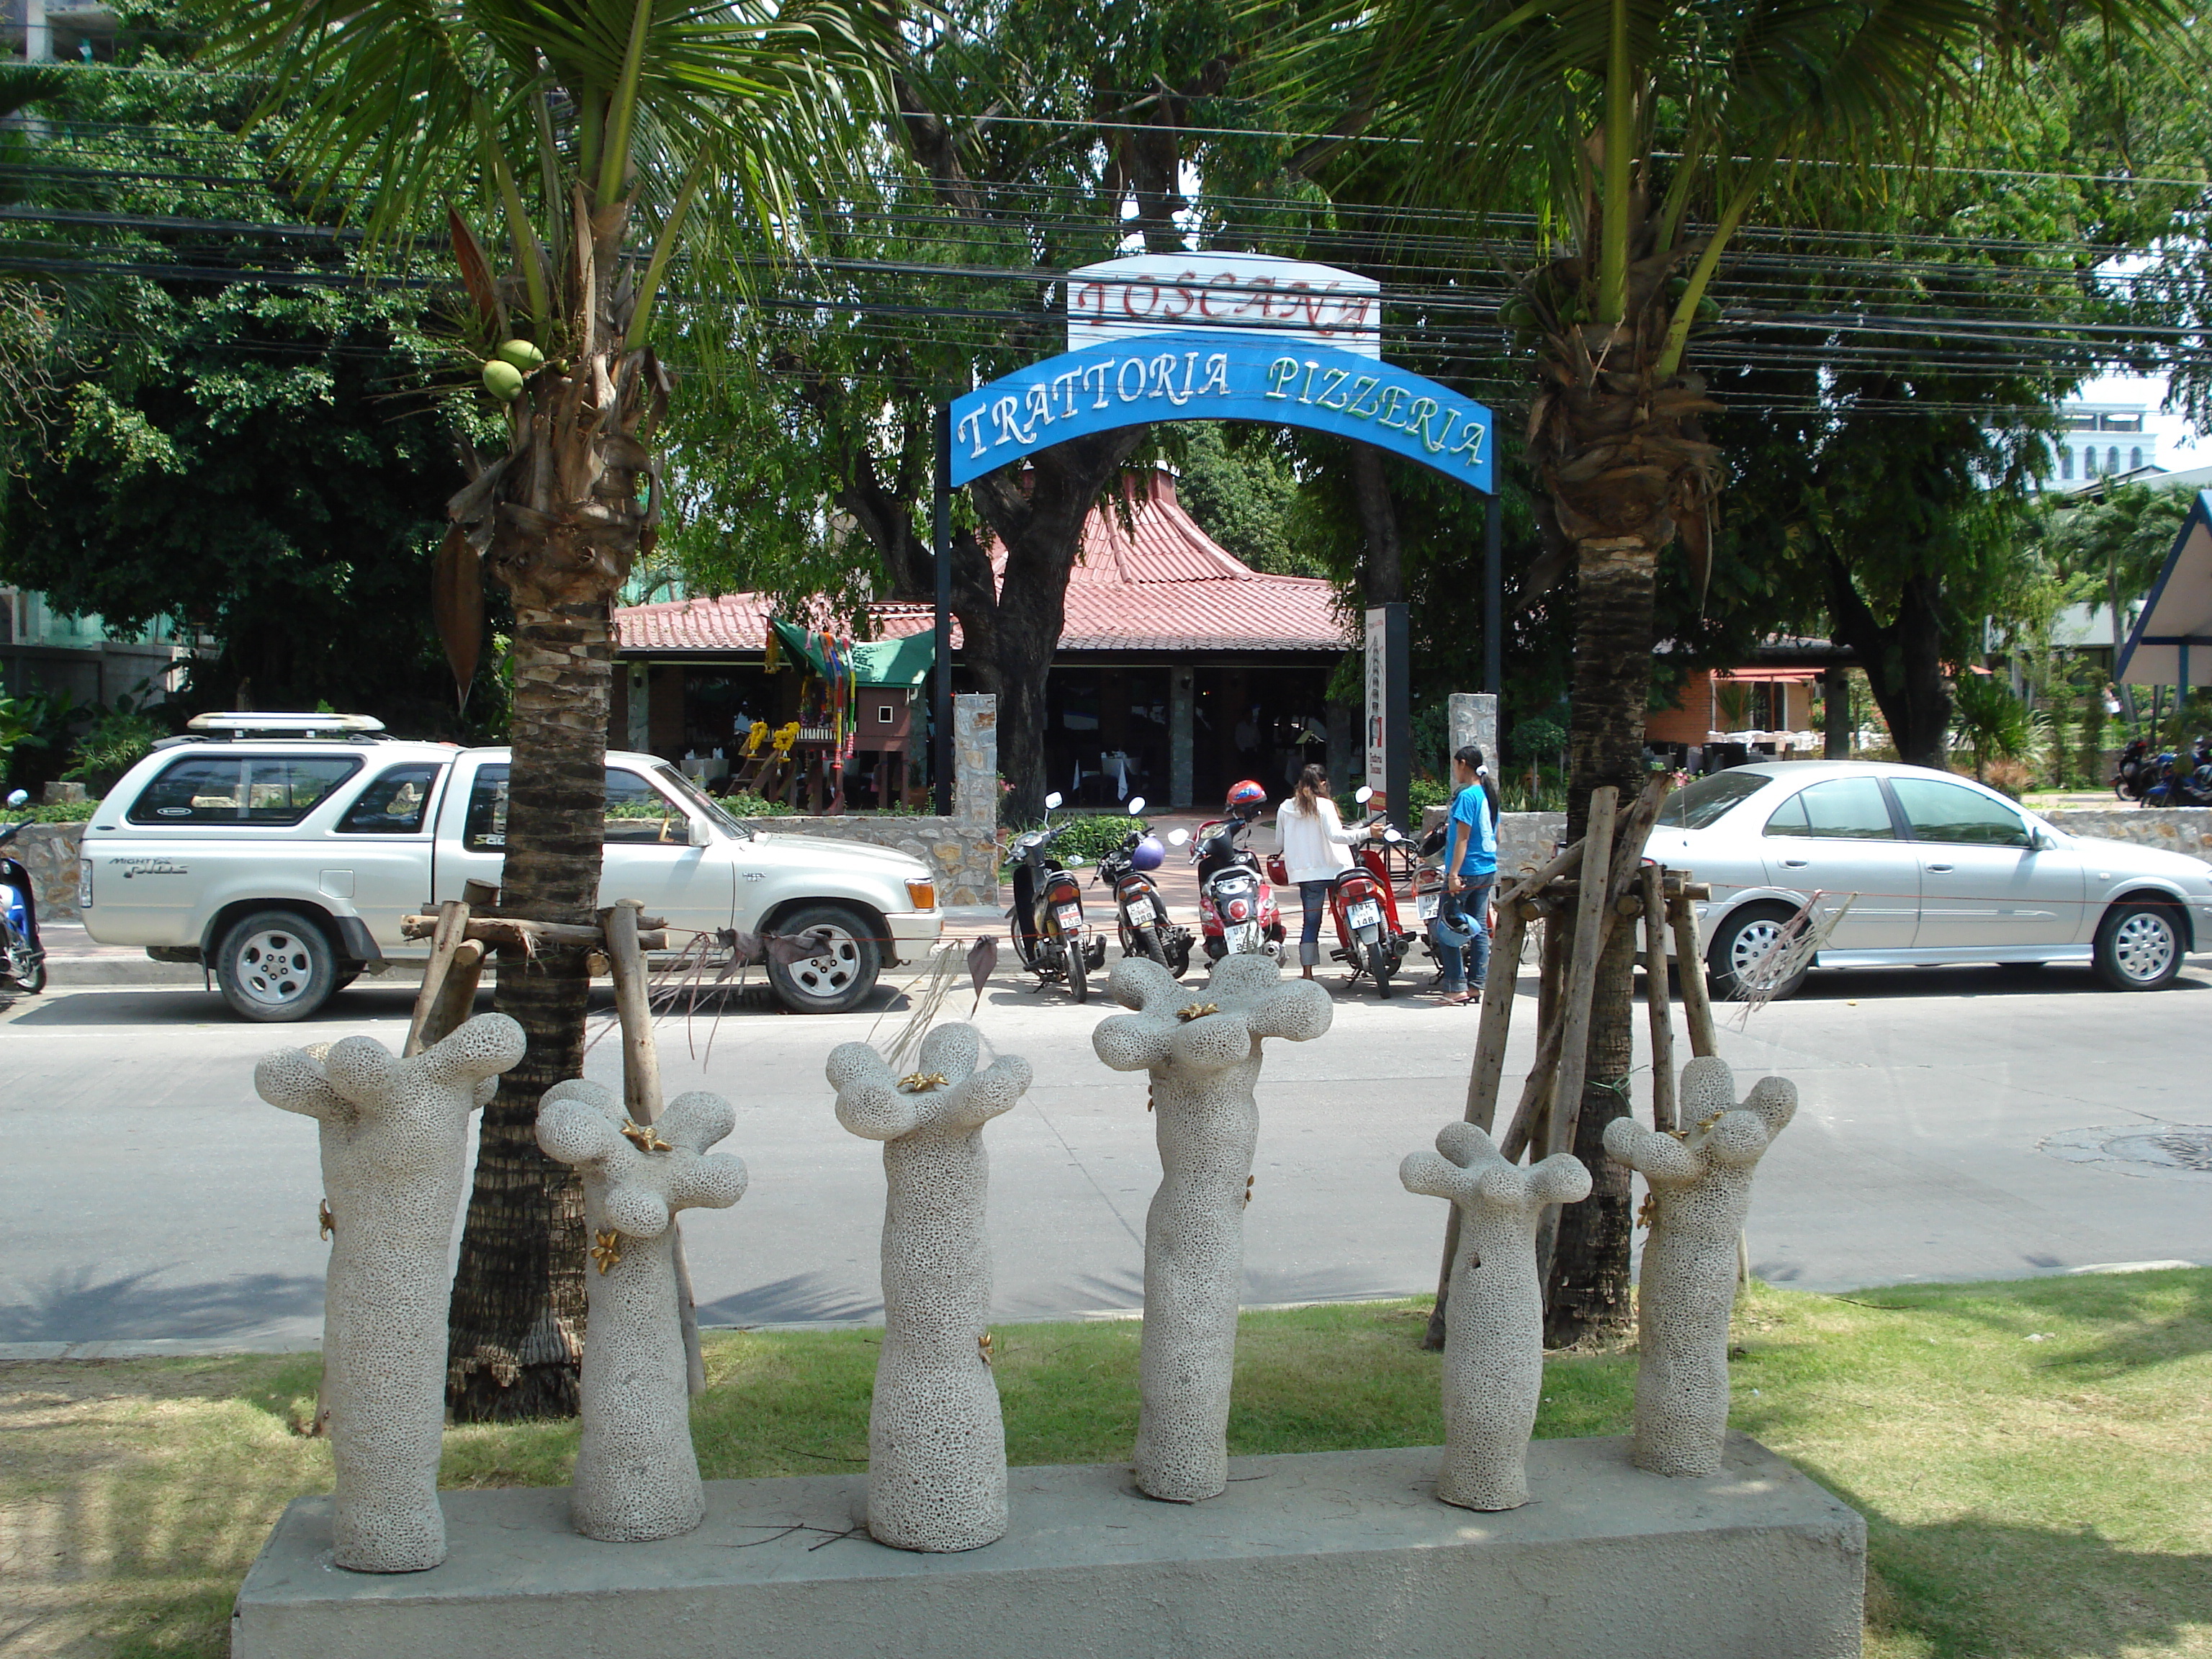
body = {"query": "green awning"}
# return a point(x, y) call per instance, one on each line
point(904, 662)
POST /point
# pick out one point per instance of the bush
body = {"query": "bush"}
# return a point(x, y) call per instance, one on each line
point(1427, 791)
point(1088, 838)
point(71, 811)
point(747, 805)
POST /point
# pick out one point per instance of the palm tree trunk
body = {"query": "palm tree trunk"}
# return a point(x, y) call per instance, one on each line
point(516, 1324)
point(1587, 1293)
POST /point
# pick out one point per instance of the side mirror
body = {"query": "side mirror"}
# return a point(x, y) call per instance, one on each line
point(18, 797)
point(1134, 805)
point(1177, 837)
point(1052, 800)
point(702, 834)
point(1363, 795)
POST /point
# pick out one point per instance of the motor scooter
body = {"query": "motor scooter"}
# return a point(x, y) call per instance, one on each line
point(1139, 911)
point(1363, 902)
point(2174, 782)
point(1236, 902)
point(2137, 772)
point(24, 959)
point(1049, 934)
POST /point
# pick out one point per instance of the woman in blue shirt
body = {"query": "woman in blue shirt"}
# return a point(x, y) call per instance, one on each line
point(1470, 870)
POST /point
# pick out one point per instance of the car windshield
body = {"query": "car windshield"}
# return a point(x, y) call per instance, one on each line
point(1707, 800)
point(693, 795)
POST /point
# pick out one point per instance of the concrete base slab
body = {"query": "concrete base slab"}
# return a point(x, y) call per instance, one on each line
point(1325, 1556)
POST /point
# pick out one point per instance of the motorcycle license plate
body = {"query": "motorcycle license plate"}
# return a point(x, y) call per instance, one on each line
point(1429, 902)
point(1071, 915)
point(1366, 913)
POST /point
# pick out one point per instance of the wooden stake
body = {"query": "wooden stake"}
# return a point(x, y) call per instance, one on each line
point(1582, 973)
point(457, 997)
point(641, 1096)
point(1497, 994)
point(1655, 996)
point(1689, 956)
point(446, 930)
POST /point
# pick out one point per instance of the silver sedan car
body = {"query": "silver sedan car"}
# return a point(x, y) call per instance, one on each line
point(1937, 869)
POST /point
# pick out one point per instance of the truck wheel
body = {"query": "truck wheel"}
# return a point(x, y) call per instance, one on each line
point(2138, 947)
point(276, 965)
point(842, 975)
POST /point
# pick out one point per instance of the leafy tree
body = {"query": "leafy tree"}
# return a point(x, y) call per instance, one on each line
point(252, 457)
point(604, 139)
point(1245, 494)
point(1645, 134)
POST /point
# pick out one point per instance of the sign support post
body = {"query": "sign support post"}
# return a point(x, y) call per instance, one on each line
point(1389, 731)
point(940, 682)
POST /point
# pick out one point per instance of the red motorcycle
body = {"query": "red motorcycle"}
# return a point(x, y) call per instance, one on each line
point(1235, 902)
point(1363, 902)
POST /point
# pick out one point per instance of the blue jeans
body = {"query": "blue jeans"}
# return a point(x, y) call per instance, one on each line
point(1466, 965)
point(1314, 896)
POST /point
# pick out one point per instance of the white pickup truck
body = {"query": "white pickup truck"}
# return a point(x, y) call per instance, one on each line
point(285, 862)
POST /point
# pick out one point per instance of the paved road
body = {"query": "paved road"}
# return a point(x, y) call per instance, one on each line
point(145, 1193)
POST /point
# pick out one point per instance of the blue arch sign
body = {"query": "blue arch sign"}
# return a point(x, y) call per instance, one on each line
point(1205, 375)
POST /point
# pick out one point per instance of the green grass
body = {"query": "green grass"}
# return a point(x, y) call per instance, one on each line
point(2045, 1498)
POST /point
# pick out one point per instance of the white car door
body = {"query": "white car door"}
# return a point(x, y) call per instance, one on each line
point(376, 854)
point(1837, 838)
point(1982, 882)
point(650, 858)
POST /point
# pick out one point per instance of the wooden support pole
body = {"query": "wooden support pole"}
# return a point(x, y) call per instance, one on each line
point(1497, 994)
point(1582, 973)
point(457, 997)
point(1655, 998)
point(510, 932)
point(1689, 958)
point(642, 1098)
point(444, 931)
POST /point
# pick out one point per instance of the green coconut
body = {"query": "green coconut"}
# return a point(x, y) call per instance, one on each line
point(502, 379)
point(521, 353)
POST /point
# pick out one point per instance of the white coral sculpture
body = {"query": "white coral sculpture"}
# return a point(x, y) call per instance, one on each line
point(395, 1141)
point(1202, 1048)
point(1493, 1369)
point(637, 1477)
point(1700, 1194)
point(937, 1447)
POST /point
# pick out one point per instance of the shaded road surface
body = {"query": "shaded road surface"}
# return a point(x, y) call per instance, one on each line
point(145, 1192)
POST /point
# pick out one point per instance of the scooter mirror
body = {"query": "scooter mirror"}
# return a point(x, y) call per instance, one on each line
point(1052, 800)
point(18, 796)
point(1176, 837)
point(1134, 805)
point(1363, 795)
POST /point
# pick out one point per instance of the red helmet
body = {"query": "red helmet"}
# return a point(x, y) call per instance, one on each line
point(1245, 798)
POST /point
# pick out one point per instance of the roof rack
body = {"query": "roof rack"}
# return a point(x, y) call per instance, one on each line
point(360, 727)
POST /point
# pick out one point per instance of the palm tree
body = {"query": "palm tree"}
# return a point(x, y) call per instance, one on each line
point(1646, 134)
point(576, 125)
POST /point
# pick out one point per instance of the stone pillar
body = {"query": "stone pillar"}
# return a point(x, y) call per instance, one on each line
point(1183, 719)
point(976, 762)
point(1836, 728)
point(1472, 717)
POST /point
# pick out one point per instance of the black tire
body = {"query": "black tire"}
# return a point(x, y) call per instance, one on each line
point(1152, 942)
point(276, 966)
point(1741, 939)
point(837, 980)
point(1079, 981)
point(2139, 946)
point(1378, 966)
point(30, 978)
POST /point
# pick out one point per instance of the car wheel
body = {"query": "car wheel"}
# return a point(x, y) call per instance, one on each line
point(274, 966)
point(2139, 947)
point(838, 978)
point(1741, 944)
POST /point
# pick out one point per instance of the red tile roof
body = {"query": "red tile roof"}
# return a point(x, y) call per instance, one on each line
point(1157, 584)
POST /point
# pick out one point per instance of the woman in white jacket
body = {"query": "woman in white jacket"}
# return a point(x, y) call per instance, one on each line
point(1312, 838)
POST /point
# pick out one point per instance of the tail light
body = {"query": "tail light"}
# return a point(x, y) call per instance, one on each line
point(1239, 910)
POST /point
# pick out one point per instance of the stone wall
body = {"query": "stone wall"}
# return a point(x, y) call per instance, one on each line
point(2185, 830)
point(963, 849)
point(48, 852)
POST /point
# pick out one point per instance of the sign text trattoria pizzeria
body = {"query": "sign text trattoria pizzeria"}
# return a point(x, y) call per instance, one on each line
point(1212, 375)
